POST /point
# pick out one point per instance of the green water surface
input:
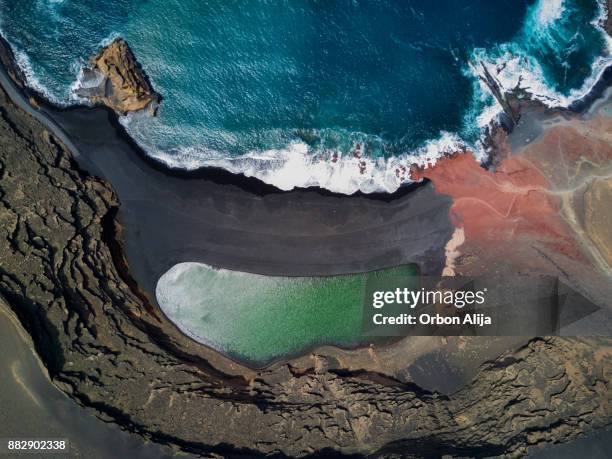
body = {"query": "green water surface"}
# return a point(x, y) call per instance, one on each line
point(257, 318)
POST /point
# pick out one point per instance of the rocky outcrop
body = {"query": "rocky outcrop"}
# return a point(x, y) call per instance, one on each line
point(116, 80)
point(508, 100)
point(62, 272)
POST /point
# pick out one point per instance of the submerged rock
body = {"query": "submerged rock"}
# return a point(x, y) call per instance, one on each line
point(115, 79)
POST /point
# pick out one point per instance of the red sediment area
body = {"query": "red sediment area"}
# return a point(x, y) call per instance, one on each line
point(568, 154)
point(506, 213)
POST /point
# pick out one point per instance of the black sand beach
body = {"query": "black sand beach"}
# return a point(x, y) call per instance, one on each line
point(103, 350)
point(169, 216)
point(239, 223)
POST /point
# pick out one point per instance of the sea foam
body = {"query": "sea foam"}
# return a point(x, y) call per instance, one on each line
point(299, 165)
point(549, 11)
point(31, 79)
point(296, 166)
point(514, 66)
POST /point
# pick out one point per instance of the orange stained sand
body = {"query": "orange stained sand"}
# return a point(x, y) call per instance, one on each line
point(513, 205)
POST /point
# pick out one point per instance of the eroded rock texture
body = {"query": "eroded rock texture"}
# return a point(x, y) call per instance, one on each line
point(60, 265)
point(120, 82)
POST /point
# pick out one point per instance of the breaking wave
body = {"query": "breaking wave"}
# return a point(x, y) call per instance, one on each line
point(556, 56)
point(548, 28)
point(298, 166)
point(539, 59)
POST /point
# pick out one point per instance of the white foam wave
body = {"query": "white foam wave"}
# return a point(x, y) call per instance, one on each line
point(84, 83)
point(296, 167)
point(514, 67)
point(517, 71)
point(31, 80)
point(549, 11)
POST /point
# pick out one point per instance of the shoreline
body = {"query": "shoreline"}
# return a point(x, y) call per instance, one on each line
point(226, 173)
point(212, 360)
point(142, 261)
point(104, 124)
point(147, 247)
point(214, 174)
point(93, 334)
point(155, 229)
point(250, 218)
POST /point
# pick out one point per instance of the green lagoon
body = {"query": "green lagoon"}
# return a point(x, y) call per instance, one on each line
point(256, 319)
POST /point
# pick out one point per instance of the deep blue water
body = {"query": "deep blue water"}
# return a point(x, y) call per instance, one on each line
point(278, 88)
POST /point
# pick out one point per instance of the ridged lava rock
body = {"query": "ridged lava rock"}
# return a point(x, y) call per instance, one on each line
point(109, 350)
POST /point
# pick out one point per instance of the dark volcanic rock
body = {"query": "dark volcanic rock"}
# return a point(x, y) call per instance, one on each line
point(62, 272)
point(508, 101)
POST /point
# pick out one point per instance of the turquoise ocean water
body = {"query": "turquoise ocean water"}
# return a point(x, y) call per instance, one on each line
point(289, 91)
